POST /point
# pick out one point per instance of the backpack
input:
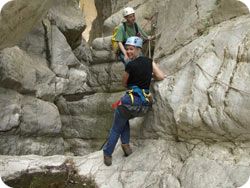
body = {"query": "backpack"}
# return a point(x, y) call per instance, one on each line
point(114, 43)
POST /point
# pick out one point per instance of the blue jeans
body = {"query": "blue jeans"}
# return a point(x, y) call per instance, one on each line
point(120, 127)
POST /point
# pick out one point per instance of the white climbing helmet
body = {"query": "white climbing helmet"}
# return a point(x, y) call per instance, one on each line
point(127, 11)
point(134, 41)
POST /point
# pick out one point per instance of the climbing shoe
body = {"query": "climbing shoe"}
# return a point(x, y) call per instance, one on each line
point(107, 160)
point(126, 149)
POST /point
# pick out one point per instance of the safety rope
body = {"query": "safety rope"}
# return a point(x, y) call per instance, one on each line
point(148, 21)
point(173, 73)
point(154, 36)
point(149, 49)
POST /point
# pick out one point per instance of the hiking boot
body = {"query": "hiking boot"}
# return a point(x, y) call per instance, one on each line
point(107, 160)
point(126, 149)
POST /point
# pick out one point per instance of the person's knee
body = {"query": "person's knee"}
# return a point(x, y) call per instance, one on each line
point(124, 112)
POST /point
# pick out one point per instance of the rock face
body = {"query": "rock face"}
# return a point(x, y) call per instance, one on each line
point(69, 22)
point(30, 75)
point(56, 91)
point(19, 17)
point(46, 80)
point(207, 94)
point(154, 163)
point(204, 93)
point(23, 127)
point(192, 23)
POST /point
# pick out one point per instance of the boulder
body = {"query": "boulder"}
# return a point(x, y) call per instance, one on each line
point(106, 77)
point(205, 95)
point(34, 115)
point(89, 118)
point(22, 145)
point(10, 115)
point(154, 163)
point(180, 22)
point(67, 16)
point(62, 57)
point(17, 18)
point(83, 53)
point(23, 128)
point(35, 42)
point(26, 74)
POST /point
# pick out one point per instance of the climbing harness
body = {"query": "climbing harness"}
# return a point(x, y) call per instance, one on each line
point(144, 94)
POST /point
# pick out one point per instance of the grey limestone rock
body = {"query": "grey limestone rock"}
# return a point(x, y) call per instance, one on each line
point(17, 18)
point(66, 15)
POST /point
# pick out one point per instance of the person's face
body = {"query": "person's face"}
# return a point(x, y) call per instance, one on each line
point(132, 52)
point(130, 18)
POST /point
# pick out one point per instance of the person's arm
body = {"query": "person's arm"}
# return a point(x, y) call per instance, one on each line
point(145, 36)
point(143, 33)
point(120, 38)
point(122, 48)
point(125, 79)
point(157, 73)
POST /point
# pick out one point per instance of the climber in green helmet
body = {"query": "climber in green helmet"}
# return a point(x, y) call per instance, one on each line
point(137, 100)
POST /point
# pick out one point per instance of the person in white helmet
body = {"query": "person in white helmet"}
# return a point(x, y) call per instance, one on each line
point(128, 29)
point(137, 100)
